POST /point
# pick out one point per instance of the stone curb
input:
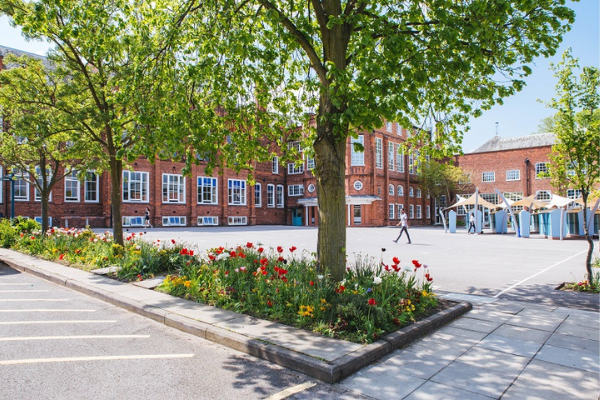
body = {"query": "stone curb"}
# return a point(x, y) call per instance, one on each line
point(329, 372)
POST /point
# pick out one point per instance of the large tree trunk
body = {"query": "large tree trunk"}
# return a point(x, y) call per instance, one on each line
point(116, 176)
point(330, 169)
point(45, 201)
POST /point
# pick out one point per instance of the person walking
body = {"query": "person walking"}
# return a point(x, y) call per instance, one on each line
point(404, 226)
point(147, 218)
point(472, 224)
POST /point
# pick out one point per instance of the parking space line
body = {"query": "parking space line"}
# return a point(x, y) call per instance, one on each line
point(16, 284)
point(26, 338)
point(99, 358)
point(23, 291)
point(290, 391)
point(45, 310)
point(48, 300)
point(58, 322)
point(534, 275)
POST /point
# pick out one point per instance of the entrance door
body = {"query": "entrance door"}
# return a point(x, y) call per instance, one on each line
point(297, 217)
point(357, 214)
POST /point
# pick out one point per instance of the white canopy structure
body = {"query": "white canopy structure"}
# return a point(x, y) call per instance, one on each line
point(474, 199)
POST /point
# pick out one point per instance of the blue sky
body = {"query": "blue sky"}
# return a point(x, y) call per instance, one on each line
point(518, 116)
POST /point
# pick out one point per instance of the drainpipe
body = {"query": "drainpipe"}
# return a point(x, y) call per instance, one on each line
point(526, 177)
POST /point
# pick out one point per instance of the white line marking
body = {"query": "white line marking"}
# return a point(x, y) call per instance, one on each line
point(2, 300)
point(24, 338)
point(542, 271)
point(23, 291)
point(100, 358)
point(16, 284)
point(290, 391)
point(45, 310)
point(59, 322)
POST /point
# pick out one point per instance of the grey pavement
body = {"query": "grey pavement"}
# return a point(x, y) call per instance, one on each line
point(519, 341)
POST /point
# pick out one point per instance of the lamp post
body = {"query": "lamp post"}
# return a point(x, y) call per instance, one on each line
point(9, 177)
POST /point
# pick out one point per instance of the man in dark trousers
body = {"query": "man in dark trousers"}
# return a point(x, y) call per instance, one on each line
point(404, 226)
point(472, 224)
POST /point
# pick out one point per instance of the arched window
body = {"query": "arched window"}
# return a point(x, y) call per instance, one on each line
point(391, 190)
point(400, 190)
point(411, 191)
point(418, 192)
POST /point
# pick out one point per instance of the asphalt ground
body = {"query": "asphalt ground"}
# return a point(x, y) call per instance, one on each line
point(495, 265)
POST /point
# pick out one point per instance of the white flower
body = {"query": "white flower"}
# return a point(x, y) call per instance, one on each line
point(320, 276)
point(137, 247)
point(376, 280)
point(408, 268)
point(223, 256)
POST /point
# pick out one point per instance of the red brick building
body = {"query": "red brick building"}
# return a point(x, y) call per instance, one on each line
point(379, 181)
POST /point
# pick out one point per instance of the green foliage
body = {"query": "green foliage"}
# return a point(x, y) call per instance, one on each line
point(8, 233)
point(576, 154)
point(26, 225)
point(439, 178)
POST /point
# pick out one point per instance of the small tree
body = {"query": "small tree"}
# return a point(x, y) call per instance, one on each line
point(441, 179)
point(37, 143)
point(576, 155)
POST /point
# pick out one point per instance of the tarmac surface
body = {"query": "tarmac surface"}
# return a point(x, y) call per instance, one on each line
point(522, 339)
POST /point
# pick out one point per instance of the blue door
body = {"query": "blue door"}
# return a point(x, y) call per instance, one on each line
point(297, 217)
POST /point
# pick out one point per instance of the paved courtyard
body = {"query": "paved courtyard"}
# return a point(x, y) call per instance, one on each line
point(500, 266)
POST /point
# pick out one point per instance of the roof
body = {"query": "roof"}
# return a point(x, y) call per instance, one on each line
point(4, 51)
point(498, 143)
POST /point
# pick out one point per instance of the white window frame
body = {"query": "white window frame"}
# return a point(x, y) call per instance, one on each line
point(541, 167)
point(389, 126)
point(295, 190)
point(173, 189)
point(357, 158)
point(573, 193)
point(279, 196)
point(419, 212)
point(391, 156)
point(210, 183)
point(398, 129)
point(379, 153)
point(237, 220)
point(391, 211)
point(294, 169)
point(399, 159)
point(311, 188)
point(411, 163)
point(134, 220)
point(207, 221)
point(428, 212)
point(400, 191)
point(233, 192)
point(411, 211)
point(130, 186)
point(174, 220)
point(275, 165)
point(358, 185)
point(270, 195)
point(38, 219)
point(418, 193)
point(96, 189)
point(391, 190)
point(488, 176)
point(310, 163)
point(513, 175)
point(544, 193)
point(37, 194)
point(71, 179)
point(411, 191)
point(21, 181)
point(257, 195)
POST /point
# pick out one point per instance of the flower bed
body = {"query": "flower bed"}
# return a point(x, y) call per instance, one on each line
point(281, 285)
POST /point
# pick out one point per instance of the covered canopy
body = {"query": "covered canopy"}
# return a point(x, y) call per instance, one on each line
point(530, 202)
point(474, 198)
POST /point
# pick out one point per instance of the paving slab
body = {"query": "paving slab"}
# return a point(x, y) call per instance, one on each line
point(414, 364)
point(574, 343)
point(437, 391)
point(485, 314)
point(591, 332)
point(540, 323)
point(197, 311)
point(476, 325)
point(475, 379)
point(570, 358)
point(492, 359)
point(470, 298)
point(510, 345)
point(546, 381)
point(504, 306)
point(382, 383)
point(523, 333)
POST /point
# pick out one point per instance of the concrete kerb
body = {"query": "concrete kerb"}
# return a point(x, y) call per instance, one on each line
point(330, 372)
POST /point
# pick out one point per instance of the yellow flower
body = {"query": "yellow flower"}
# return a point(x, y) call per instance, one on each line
point(323, 301)
point(187, 284)
point(424, 293)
